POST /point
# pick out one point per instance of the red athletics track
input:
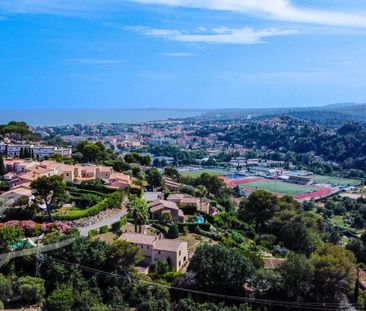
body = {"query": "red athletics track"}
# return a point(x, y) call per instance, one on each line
point(320, 192)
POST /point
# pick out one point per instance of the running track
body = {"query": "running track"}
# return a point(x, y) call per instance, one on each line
point(320, 192)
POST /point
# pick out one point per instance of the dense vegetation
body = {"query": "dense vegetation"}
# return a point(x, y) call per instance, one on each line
point(345, 146)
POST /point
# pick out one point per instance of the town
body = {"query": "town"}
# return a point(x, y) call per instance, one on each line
point(178, 196)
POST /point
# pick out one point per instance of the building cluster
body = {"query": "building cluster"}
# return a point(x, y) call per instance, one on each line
point(20, 173)
point(32, 150)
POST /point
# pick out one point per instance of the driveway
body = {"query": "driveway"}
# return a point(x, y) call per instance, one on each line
point(106, 221)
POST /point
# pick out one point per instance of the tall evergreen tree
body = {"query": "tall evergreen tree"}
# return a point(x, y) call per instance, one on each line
point(21, 153)
point(2, 166)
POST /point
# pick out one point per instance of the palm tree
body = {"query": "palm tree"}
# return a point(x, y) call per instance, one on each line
point(139, 211)
point(201, 192)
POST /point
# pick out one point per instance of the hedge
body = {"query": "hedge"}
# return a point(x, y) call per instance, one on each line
point(77, 191)
point(113, 200)
point(191, 226)
point(90, 187)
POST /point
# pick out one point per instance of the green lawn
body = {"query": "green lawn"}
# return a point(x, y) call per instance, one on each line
point(198, 173)
point(279, 187)
point(331, 180)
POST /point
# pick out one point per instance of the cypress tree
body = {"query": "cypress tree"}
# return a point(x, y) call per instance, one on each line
point(173, 232)
point(21, 153)
point(2, 166)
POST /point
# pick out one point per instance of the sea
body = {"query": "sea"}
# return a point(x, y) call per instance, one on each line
point(58, 117)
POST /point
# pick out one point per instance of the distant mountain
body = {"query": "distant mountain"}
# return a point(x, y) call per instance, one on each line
point(342, 105)
point(333, 115)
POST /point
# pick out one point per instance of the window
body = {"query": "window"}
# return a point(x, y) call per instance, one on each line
point(179, 264)
point(159, 252)
point(142, 246)
point(180, 253)
point(148, 247)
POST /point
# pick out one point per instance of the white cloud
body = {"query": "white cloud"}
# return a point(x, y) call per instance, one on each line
point(282, 10)
point(92, 61)
point(178, 54)
point(221, 35)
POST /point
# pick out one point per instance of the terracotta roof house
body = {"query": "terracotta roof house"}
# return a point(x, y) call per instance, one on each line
point(25, 171)
point(154, 248)
point(187, 200)
point(172, 185)
point(159, 207)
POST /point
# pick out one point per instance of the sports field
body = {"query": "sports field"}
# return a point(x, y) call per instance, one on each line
point(335, 181)
point(198, 173)
point(279, 187)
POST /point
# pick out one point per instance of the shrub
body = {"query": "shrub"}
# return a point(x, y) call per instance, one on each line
point(103, 229)
point(92, 233)
point(31, 289)
point(10, 235)
point(159, 267)
point(119, 224)
point(61, 300)
point(6, 289)
point(191, 226)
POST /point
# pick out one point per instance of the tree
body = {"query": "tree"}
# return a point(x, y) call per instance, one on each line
point(139, 211)
point(173, 232)
point(154, 178)
point(334, 271)
point(297, 275)
point(61, 299)
point(31, 289)
point(258, 207)
point(296, 236)
point(172, 173)
point(21, 153)
point(2, 166)
point(220, 269)
point(150, 298)
point(49, 191)
point(123, 255)
point(188, 304)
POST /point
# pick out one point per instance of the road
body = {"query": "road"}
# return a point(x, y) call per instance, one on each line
point(106, 221)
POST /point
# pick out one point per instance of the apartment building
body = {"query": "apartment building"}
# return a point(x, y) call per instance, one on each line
point(38, 152)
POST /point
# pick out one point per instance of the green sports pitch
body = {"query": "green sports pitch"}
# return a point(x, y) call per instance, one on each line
point(279, 187)
point(336, 181)
point(197, 173)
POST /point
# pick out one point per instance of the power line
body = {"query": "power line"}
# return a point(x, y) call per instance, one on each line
point(300, 305)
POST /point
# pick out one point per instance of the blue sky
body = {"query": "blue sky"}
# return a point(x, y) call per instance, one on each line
point(181, 53)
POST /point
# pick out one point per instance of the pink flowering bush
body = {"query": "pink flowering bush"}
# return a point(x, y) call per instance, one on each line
point(31, 228)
